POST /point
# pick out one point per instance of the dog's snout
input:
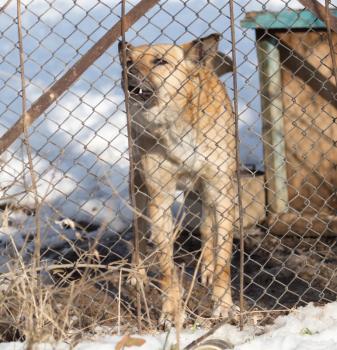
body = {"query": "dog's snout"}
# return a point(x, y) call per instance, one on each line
point(132, 70)
point(129, 62)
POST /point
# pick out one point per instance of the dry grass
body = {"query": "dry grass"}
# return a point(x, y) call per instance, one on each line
point(38, 306)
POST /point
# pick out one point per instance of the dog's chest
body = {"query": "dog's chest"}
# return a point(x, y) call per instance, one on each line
point(179, 139)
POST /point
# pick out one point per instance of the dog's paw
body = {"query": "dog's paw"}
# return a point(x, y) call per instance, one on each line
point(169, 320)
point(207, 274)
point(137, 276)
point(225, 311)
point(132, 280)
point(172, 313)
point(207, 271)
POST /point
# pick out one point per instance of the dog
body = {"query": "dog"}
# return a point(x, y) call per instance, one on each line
point(183, 136)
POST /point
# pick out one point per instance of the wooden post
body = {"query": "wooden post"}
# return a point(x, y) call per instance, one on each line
point(273, 128)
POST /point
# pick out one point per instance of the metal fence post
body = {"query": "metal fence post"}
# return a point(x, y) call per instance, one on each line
point(273, 128)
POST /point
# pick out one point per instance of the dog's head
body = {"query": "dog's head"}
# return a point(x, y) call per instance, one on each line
point(160, 71)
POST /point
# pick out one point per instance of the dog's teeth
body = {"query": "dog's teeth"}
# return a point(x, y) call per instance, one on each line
point(140, 91)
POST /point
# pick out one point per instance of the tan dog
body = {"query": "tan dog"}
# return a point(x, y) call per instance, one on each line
point(183, 134)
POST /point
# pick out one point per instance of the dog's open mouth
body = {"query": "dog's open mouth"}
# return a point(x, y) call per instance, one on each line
point(140, 92)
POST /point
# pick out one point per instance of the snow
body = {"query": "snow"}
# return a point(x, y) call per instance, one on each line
point(311, 327)
point(306, 328)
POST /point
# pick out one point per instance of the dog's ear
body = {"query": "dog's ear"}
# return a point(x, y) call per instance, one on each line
point(205, 51)
point(222, 64)
point(202, 50)
point(128, 48)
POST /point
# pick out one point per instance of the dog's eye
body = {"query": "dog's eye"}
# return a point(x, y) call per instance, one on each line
point(129, 62)
point(159, 61)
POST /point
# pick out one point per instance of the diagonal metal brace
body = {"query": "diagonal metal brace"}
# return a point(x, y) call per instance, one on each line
point(62, 84)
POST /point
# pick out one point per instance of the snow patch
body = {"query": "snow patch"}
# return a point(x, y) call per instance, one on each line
point(306, 328)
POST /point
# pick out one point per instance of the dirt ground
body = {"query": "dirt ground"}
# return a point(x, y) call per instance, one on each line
point(280, 273)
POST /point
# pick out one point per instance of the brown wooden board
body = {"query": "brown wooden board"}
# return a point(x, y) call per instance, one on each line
point(310, 125)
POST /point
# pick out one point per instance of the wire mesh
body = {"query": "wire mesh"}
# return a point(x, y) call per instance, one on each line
point(182, 137)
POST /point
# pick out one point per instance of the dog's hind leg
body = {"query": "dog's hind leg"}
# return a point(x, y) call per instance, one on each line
point(221, 197)
point(208, 235)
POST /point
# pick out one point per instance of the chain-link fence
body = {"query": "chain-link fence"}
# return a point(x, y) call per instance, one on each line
point(230, 131)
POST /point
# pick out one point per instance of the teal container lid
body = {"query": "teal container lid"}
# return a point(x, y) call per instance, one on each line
point(285, 19)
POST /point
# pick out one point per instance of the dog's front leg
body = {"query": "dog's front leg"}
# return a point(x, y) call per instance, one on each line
point(161, 186)
point(143, 228)
point(222, 199)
